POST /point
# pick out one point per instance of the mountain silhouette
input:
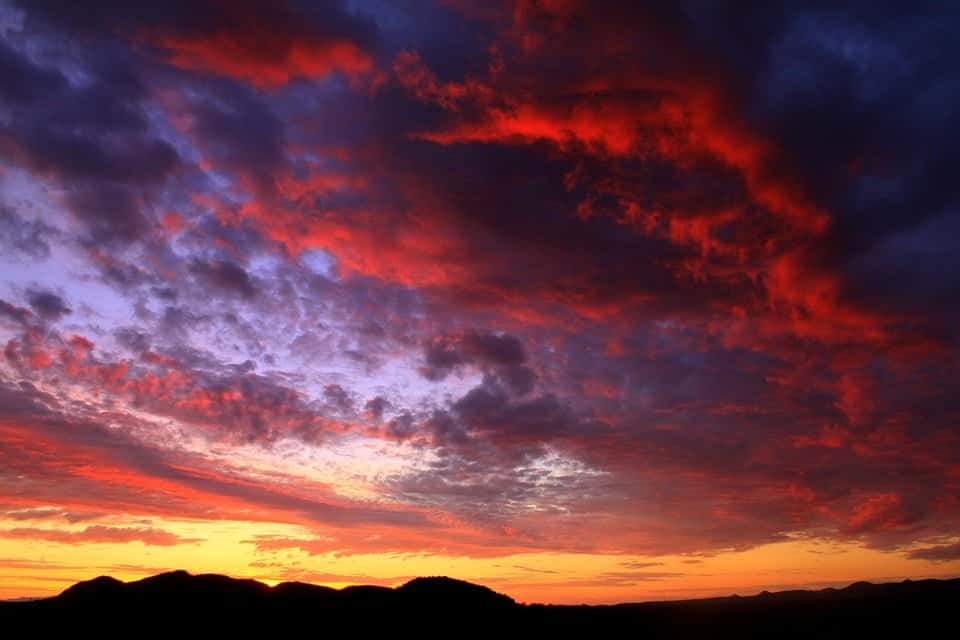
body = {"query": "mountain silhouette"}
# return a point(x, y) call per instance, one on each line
point(448, 592)
point(184, 604)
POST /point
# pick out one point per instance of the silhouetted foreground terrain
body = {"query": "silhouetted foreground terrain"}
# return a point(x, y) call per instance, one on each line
point(180, 603)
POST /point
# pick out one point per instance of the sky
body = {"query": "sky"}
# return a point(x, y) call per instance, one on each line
point(584, 301)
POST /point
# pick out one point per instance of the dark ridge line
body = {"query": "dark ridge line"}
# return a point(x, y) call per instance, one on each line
point(106, 585)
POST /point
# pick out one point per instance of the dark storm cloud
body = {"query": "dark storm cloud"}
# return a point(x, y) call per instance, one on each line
point(519, 379)
point(375, 407)
point(102, 17)
point(942, 553)
point(489, 410)
point(338, 398)
point(493, 349)
point(504, 355)
point(19, 315)
point(47, 305)
point(402, 426)
point(134, 340)
point(82, 156)
point(92, 138)
point(238, 133)
point(493, 417)
point(30, 237)
point(22, 83)
point(111, 212)
point(854, 97)
point(225, 276)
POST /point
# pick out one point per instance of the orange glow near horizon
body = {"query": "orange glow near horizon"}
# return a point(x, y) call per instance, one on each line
point(40, 568)
point(585, 301)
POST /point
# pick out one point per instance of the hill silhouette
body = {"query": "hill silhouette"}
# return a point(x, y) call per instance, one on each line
point(181, 603)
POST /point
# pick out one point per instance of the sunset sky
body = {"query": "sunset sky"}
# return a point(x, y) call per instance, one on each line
point(584, 301)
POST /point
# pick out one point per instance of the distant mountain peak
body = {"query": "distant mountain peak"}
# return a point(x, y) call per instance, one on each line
point(97, 587)
point(442, 589)
point(438, 606)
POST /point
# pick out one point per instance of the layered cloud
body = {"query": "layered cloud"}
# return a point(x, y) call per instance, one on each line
point(482, 278)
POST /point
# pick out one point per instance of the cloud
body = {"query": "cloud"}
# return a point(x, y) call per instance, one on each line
point(47, 305)
point(23, 82)
point(236, 131)
point(297, 41)
point(504, 355)
point(338, 398)
point(551, 287)
point(375, 407)
point(47, 513)
point(30, 237)
point(225, 276)
point(16, 314)
point(289, 55)
point(942, 553)
point(94, 139)
point(488, 410)
point(98, 534)
point(85, 465)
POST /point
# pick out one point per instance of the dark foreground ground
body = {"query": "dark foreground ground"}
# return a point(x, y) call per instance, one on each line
point(182, 605)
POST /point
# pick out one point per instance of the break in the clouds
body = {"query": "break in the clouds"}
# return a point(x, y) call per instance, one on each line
point(481, 278)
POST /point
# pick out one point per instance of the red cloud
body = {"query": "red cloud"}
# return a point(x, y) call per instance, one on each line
point(708, 374)
point(265, 59)
point(880, 512)
point(266, 44)
point(86, 466)
point(242, 407)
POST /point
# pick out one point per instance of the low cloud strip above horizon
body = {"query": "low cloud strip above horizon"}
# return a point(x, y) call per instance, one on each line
point(589, 301)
